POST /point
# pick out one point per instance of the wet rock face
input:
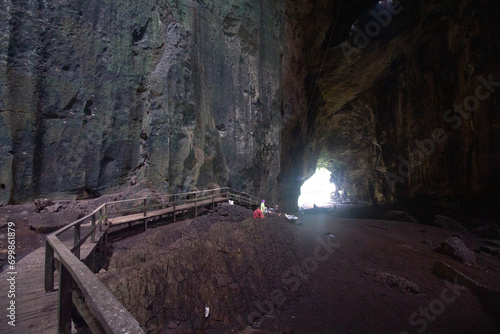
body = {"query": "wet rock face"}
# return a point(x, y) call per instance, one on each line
point(183, 94)
point(167, 277)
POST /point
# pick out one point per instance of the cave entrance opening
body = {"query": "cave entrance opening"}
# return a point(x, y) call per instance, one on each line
point(317, 190)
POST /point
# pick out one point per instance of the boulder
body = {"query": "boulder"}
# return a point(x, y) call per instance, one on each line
point(42, 203)
point(45, 227)
point(449, 223)
point(489, 297)
point(456, 248)
point(48, 222)
point(393, 281)
point(54, 208)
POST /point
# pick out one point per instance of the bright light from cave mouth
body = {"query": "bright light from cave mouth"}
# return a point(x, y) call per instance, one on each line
point(316, 190)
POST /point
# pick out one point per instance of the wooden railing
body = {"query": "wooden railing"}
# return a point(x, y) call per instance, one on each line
point(79, 288)
point(144, 205)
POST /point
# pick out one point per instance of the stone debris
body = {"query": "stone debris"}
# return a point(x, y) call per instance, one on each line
point(489, 297)
point(456, 248)
point(42, 203)
point(393, 281)
point(54, 208)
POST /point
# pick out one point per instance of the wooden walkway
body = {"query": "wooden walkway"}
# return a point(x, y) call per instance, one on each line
point(161, 212)
point(36, 310)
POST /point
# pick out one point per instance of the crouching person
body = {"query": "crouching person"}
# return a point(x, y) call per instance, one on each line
point(258, 213)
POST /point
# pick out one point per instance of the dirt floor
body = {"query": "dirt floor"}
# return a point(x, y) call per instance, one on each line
point(349, 276)
point(356, 276)
point(347, 297)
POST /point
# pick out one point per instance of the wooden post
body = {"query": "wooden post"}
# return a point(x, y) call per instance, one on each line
point(145, 210)
point(49, 267)
point(101, 219)
point(65, 305)
point(105, 214)
point(77, 239)
point(174, 207)
point(213, 199)
point(92, 225)
point(195, 205)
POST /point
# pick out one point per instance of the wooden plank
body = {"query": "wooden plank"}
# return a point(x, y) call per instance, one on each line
point(94, 326)
point(83, 241)
point(79, 221)
point(92, 239)
point(65, 305)
point(36, 311)
point(127, 200)
point(77, 231)
point(49, 268)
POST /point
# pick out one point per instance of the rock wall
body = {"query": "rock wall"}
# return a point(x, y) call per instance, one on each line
point(185, 94)
point(97, 94)
point(411, 111)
